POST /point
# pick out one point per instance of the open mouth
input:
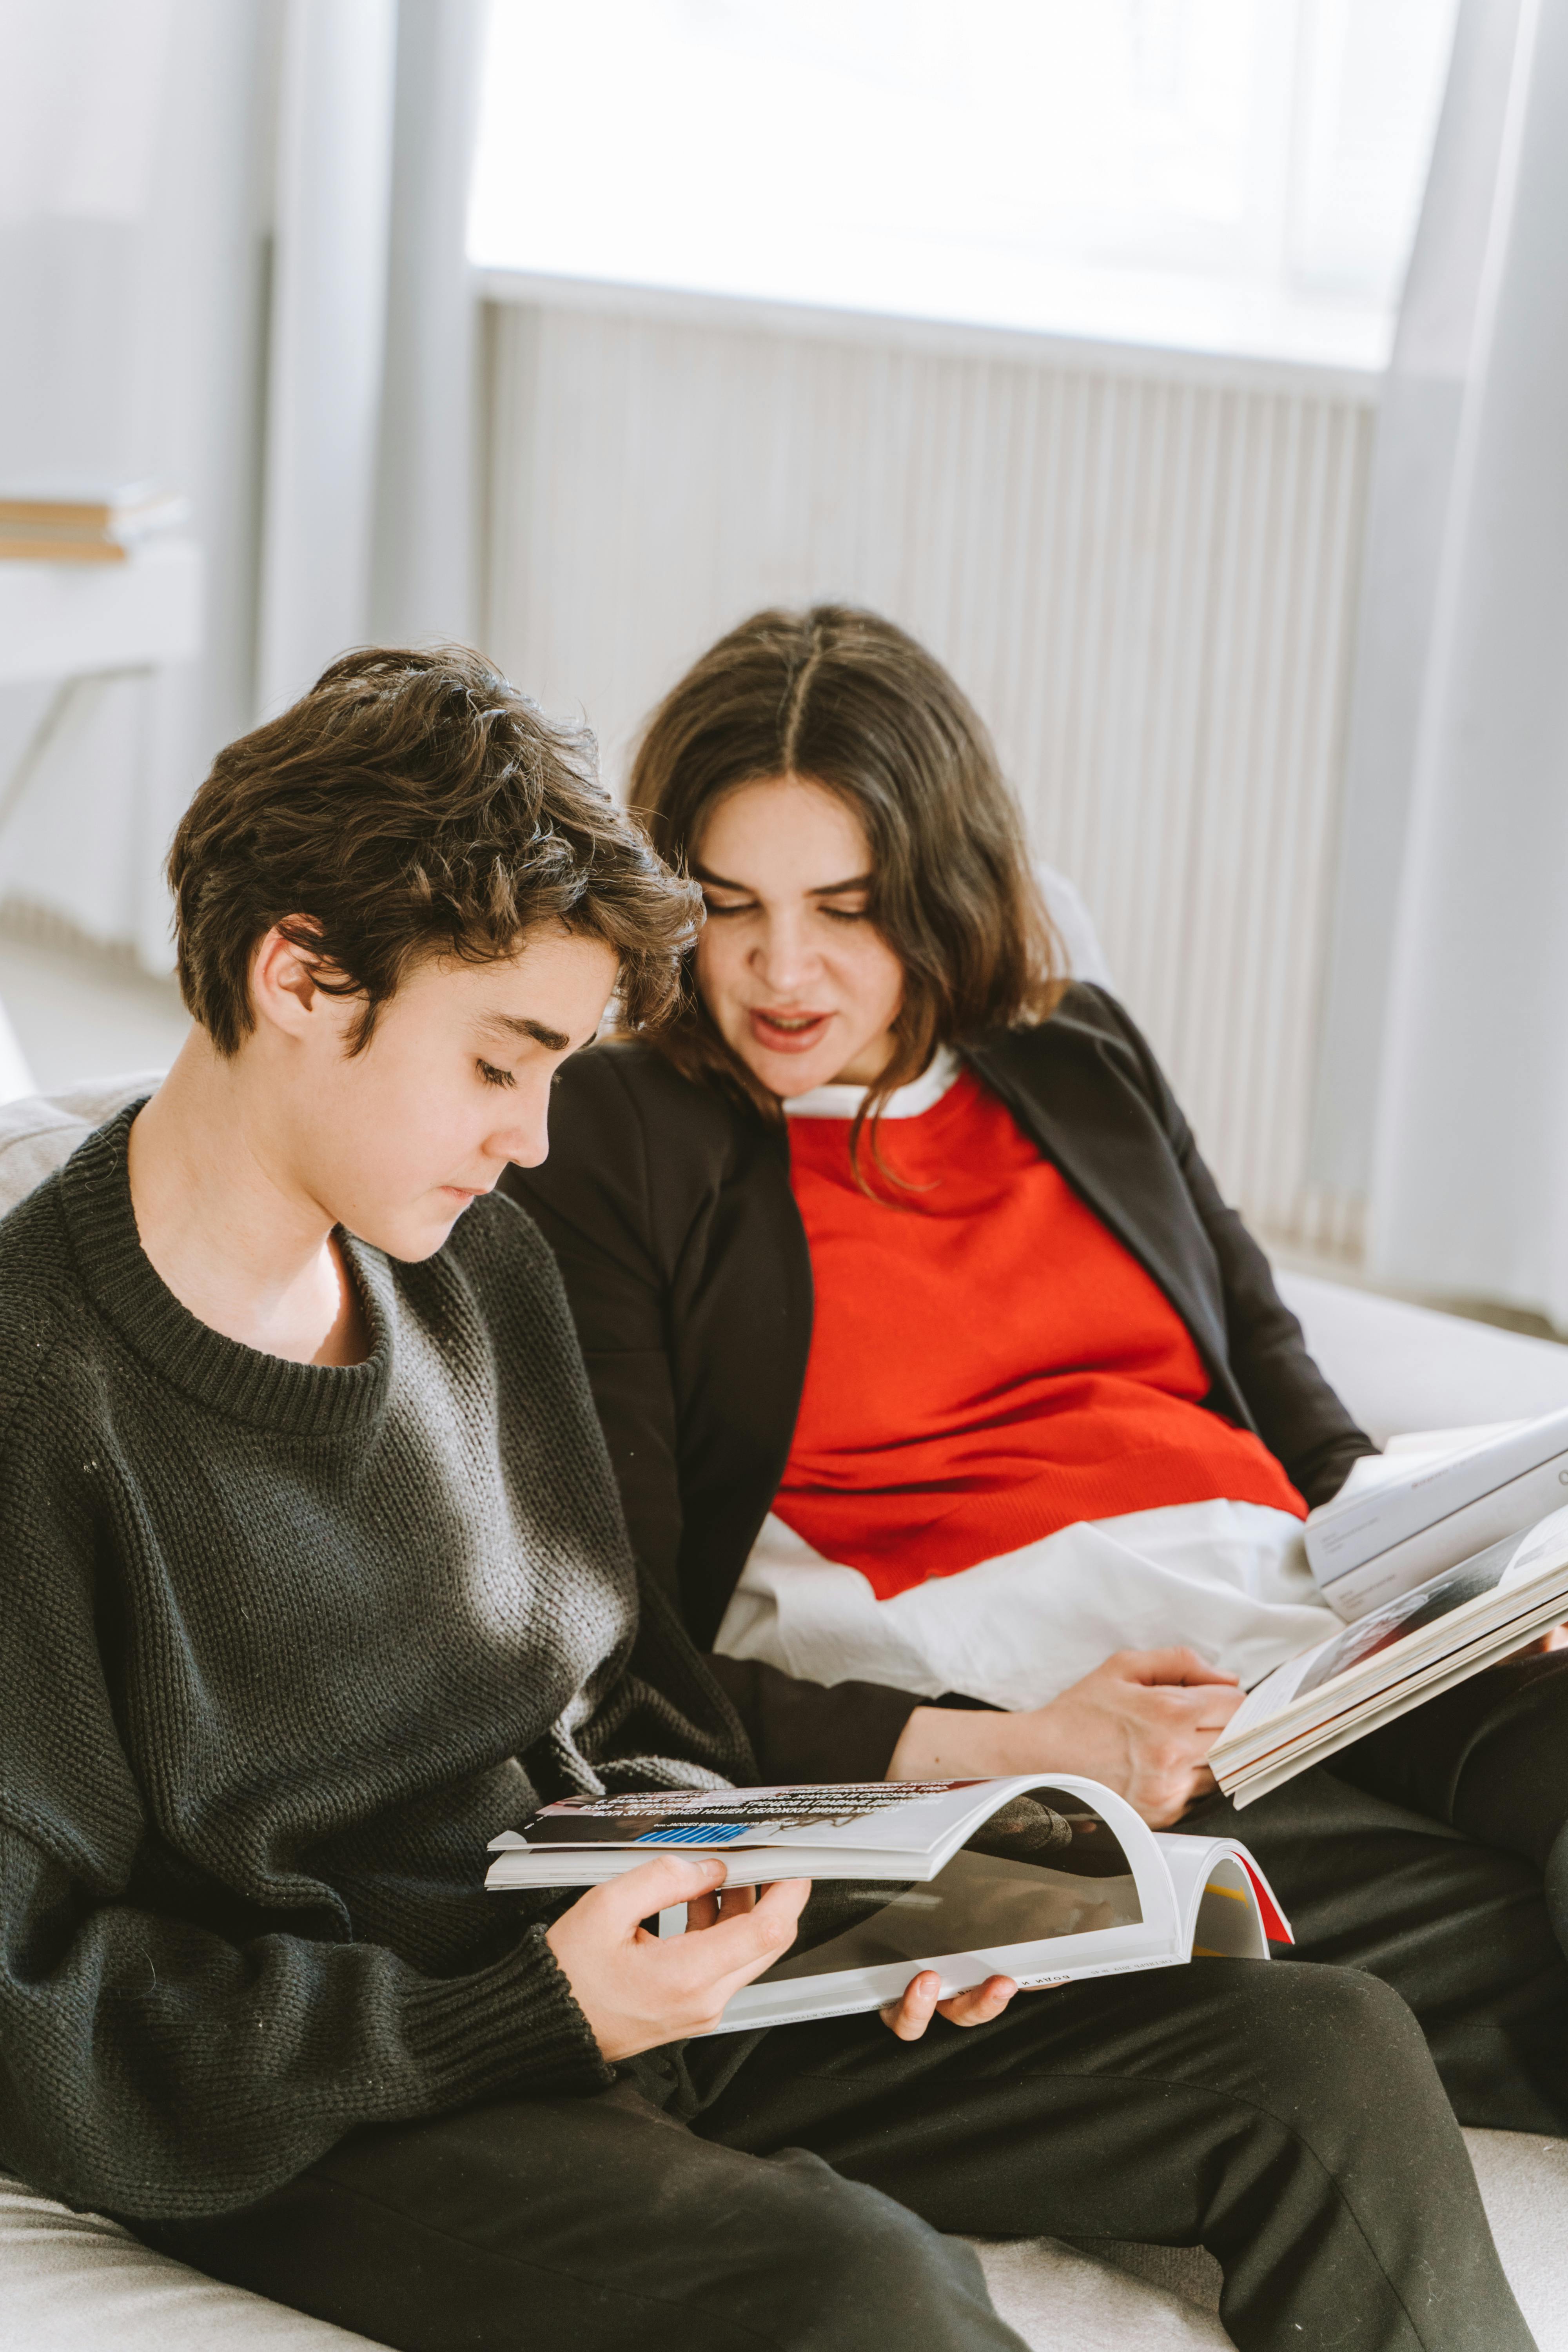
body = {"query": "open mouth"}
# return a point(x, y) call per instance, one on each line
point(788, 1033)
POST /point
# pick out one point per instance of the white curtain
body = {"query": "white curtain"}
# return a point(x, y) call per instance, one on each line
point(1446, 1035)
point(369, 464)
point(232, 246)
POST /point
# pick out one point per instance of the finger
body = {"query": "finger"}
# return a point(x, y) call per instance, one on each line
point(908, 2016)
point(980, 2004)
point(1178, 1665)
point(781, 1901)
point(742, 1947)
point(653, 1886)
point(1207, 1709)
point(726, 1903)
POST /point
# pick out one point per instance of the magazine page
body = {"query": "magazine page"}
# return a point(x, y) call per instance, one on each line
point(1409, 1455)
point(856, 1830)
point(1409, 1514)
point(1062, 1880)
point(894, 1816)
point(1369, 1637)
point(1226, 1907)
point(1041, 1881)
point(1398, 1655)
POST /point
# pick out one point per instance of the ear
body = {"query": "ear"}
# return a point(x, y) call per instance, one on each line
point(284, 981)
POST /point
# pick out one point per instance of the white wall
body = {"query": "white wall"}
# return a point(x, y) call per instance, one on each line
point(1143, 572)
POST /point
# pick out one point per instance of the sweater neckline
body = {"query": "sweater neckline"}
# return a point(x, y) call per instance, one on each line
point(323, 1400)
point(921, 1094)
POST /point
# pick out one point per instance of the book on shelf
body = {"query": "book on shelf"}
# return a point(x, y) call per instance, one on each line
point(1042, 1880)
point(1421, 1641)
point(83, 522)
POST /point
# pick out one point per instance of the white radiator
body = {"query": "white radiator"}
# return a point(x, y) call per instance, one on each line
point(1145, 581)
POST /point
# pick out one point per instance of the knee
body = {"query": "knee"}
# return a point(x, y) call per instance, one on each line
point(1338, 2039)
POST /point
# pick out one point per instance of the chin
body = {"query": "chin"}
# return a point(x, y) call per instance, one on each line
point(408, 1238)
point(786, 1077)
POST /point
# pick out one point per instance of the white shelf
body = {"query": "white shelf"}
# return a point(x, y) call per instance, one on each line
point(65, 620)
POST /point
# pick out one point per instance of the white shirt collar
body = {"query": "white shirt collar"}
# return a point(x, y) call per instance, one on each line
point(905, 1102)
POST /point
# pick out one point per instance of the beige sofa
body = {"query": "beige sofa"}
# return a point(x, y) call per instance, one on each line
point(75, 2282)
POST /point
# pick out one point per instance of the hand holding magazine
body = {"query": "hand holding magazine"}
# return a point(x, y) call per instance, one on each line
point(1040, 1881)
point(1390, 1659)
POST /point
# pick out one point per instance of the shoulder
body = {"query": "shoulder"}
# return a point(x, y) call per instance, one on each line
point(1089, 1037)
point(637, 1150)
point(621, 1086)
point(42, 1313)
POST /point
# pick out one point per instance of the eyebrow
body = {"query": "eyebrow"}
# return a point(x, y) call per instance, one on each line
point(823, 889)
point(511, 1025)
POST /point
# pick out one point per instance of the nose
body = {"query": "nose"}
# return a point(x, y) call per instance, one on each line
point(524, 1140)
point(784, 958)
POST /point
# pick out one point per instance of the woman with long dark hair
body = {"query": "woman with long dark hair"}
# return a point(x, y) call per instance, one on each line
point(930, 1360)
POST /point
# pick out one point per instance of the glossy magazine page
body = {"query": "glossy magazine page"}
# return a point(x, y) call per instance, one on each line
point(1042, 1881)
point(1102, 1906)
point(1387, 1662)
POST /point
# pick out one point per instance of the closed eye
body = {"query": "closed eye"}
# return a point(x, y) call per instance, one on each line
point(736, 907)
point(494, 1078)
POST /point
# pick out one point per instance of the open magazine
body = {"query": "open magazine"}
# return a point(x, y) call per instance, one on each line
point(1042, 1881)
point(1388, 1661)
point(1430, 1501)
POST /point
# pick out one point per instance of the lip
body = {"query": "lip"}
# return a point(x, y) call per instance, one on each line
point(465, 1193)
point(786, 1041)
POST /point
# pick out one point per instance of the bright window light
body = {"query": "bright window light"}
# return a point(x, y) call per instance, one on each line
point(1238, 175)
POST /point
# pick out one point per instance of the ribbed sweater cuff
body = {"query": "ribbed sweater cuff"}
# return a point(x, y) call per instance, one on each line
point(515, 2026)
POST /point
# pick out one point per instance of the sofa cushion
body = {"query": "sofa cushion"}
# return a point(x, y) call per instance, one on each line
point(1400, 1367)
point(75, 2282)
point(39, 1132)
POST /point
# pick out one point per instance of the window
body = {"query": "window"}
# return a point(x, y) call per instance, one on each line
point(1218, 174)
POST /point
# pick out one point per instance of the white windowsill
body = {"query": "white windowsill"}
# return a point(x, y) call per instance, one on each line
point(1251, 345)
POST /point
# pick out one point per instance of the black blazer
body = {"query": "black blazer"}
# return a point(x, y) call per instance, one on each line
point(668, 1206)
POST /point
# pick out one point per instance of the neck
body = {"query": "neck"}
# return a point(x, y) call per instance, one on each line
point(226, 1220)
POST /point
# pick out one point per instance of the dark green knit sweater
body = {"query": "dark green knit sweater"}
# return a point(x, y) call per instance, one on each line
point(282, 1646)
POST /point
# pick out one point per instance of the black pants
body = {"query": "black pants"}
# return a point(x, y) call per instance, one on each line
point(1434, 1855)
point(1285, 2116)
point(1288, 2118)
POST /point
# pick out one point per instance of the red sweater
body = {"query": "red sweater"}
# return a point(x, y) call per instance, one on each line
point(988, 1363)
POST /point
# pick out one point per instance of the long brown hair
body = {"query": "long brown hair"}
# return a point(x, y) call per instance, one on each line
point(845, 700)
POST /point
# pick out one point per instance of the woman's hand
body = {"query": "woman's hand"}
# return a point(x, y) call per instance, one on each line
point(909, 2016)
point(637, 1989)
point(1142, 1723)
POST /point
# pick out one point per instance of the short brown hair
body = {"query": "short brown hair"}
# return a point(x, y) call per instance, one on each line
point(847, 700)
point(413, 804)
